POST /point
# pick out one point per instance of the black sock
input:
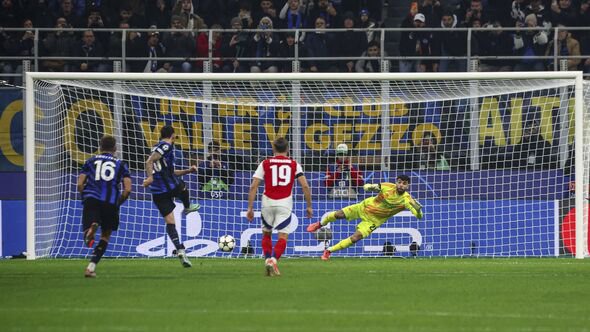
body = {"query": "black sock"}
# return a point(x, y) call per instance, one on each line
point(173, 234)
point(99, 250)
point(185, 198)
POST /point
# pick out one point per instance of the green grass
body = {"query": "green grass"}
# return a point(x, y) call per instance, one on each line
point(340, 295)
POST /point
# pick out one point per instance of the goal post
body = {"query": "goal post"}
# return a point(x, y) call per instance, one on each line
point(497, 159)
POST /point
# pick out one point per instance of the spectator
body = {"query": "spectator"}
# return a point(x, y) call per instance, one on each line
point(95, 21)
point(426, 45)
point(585, 35)
point(350, 44)
point(519, 11)
point(408, 45)
point(543, 15)
point(67, 11)
point(563, 12)
point(151, 47)
point(370, 65)
point(528, 44)
point(292, 15)
point(184, 8)
point(475, 11)
point(179, 44)
point(10, 16)
point(19, 44)
point(452, 43)
point(343, 177)
point(59, 43)
point(203, 49)
point(367, 23)
point(90, 48)
point(426, 155)
point(287, 50)
point(432, 11)
point(159, 13)
point(234, 46)
point(326, 10)
point(265, 44)
point(267, 9)
point(319, 44)
point(135, 20)
point(245, 15)
point(214, 173)
point(498, 43)
point(567, 46)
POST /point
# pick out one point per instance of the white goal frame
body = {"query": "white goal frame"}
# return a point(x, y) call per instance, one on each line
point(30, 115)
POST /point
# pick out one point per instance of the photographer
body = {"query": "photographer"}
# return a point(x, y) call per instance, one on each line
point(265, 44)
point(343, 178)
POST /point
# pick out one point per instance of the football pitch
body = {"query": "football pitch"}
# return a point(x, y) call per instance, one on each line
point(229, 295)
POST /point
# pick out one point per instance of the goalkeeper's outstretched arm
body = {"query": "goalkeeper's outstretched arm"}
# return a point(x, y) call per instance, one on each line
point(415, 207)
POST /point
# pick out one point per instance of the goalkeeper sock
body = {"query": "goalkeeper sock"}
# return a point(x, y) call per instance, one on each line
point(341, 245)
point(329, 218)
point(99, 250)
point(280, 248)
point(267, 245)
point(173, 234)
point(185, 198)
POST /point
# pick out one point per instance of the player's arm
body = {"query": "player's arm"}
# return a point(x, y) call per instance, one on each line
point(149, 168)
point(81, 182)
point(306, 193)
point(415, 207)
point(181, 172)
point(374, 187)
point(251, 197)
point(126, 190)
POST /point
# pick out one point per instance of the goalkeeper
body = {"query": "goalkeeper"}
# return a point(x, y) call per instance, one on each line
point(374, 211)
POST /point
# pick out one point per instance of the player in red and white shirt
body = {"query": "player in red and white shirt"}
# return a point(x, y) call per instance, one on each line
point(278, 173)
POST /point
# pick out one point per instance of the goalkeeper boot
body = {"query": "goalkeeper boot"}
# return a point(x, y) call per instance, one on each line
point(89, 236)
point(183, 258)
point(326, 255)
point(314, 227)
point(192, 208)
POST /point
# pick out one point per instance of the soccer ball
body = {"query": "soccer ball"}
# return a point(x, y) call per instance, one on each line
point(227, 243)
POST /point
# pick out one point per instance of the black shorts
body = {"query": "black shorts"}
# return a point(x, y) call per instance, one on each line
point(165, 202)
point(96, 211)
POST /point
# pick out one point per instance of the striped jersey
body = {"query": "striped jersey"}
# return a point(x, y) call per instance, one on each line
point(104, 174)
point(279, 174)
point(389, 202)
point(164, 178)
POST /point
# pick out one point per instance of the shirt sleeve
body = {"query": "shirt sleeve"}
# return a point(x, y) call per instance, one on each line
point(86, 168)
point(259, 174)
point(298, 170)
point(125, 170)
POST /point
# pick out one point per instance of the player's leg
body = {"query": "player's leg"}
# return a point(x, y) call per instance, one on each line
point(267, 217)
point(90, 220)
point(363, 229)
point(98, 252)
point(165, 204)
point(182, 193)
point(349, 213)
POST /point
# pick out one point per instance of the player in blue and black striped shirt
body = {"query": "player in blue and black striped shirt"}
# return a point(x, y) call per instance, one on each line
point(162, 178)
point(99, 184)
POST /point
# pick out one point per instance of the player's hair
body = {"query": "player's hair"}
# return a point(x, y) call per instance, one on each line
point(281, 145)
point(166, 132)
point(404, 177)
point(108, 144)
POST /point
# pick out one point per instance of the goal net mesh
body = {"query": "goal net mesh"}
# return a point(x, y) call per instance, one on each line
point(491, 161)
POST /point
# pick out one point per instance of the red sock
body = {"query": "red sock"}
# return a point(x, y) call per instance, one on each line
point(280, 248)
point(267, 246)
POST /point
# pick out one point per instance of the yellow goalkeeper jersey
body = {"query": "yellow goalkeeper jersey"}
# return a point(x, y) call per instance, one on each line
point(388, 203)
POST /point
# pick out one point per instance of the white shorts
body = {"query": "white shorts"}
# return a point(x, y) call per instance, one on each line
point(276, 214)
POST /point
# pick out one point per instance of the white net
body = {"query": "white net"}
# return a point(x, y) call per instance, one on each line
point(491, 160)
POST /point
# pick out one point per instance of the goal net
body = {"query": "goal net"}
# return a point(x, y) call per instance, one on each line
point(498, 160)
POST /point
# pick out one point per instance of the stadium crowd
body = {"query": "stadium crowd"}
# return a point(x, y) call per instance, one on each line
point(196, 15)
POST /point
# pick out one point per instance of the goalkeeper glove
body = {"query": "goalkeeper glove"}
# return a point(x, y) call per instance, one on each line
point(372, 187)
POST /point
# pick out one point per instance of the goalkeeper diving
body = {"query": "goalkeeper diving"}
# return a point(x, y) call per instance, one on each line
point(392, 199)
